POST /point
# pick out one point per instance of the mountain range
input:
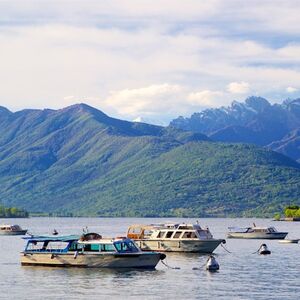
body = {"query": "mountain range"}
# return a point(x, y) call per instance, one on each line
point(79, 161)
point(255, 121)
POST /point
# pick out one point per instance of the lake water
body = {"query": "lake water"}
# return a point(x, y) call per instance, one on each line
point(242, 275)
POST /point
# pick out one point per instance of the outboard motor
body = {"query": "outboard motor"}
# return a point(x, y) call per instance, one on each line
point(212, 264)
point(263, 250)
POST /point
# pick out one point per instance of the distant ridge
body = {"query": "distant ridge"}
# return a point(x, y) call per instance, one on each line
point(254, 121)
point(80, 161)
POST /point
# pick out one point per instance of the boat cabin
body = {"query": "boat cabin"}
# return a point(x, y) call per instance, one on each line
point(73, 243)
point(168, 231)
point(10, 227)
point(263, 229)
point(252, 229)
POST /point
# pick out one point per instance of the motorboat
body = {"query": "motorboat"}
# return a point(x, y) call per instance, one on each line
point(289, 241)
point(12, 230)
point(254, 232)
point(174, 238)
point(88, 251)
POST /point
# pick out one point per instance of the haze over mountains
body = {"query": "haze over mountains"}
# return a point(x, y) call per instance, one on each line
point(79, 160)
point(255, 121)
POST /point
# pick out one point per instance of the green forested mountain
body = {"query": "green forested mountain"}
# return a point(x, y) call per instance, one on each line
point(78, 160)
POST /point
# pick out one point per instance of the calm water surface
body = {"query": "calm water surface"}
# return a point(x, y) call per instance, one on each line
point(242, 275)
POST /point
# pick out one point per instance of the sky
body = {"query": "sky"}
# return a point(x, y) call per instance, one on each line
point(145, 59)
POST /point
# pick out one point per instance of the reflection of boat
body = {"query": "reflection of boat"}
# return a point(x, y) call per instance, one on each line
point(90, 250)
point(254, 232)
point(174, 238)
point(12, 230)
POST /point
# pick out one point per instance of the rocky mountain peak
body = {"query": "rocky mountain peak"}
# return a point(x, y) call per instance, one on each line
point(259, 104)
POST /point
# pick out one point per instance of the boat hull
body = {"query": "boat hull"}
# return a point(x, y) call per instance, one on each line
point(8, 232)
point(257, 235)
point(195, 246)
point(294, 241)
point(120, 260)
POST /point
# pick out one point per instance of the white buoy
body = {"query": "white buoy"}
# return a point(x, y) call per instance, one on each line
point(212, 264)
point(263, 250)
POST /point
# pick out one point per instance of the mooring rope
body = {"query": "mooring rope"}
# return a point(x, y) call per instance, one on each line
point(225, 249)
point(201, 267)
point(173, 268)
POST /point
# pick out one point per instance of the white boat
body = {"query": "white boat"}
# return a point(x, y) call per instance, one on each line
point(12, 230)
point(290, 241)
point(174, 238)
point(88, 251)
point(269, 233)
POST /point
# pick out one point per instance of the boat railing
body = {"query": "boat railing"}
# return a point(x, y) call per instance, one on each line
point(46, 250)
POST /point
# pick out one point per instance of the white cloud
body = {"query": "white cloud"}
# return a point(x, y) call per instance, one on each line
point(153, 99)
point(204, 98)
point(146, 103)
point(90, 48)
point(291, 89)
point(238, 87)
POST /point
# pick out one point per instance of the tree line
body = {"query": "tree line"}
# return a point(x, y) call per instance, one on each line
point(13, 212)
point(292, 211)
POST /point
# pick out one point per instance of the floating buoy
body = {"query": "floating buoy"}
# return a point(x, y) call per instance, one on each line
point(212, 264)
point(263, 250)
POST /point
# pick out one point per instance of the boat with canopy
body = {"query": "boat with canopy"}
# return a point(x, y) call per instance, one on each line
point(88, 251)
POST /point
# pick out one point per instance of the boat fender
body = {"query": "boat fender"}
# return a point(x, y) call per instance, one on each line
point(52, 256)
point(75, 254)
point(212, 264)
point(263, 250)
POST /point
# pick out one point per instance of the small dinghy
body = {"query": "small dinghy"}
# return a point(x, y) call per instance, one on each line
point(212, 264)
point(263, 250)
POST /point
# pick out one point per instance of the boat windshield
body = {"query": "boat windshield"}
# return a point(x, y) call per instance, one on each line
point(16, 227)
point(189, 235)
point(126, 246)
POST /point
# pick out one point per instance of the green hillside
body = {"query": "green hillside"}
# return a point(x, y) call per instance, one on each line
point(78, 160)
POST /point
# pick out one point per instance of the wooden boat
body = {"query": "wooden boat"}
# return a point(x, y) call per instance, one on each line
point(12, 230)
point(269, 233)
point(174, 238)
point(88, 251)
